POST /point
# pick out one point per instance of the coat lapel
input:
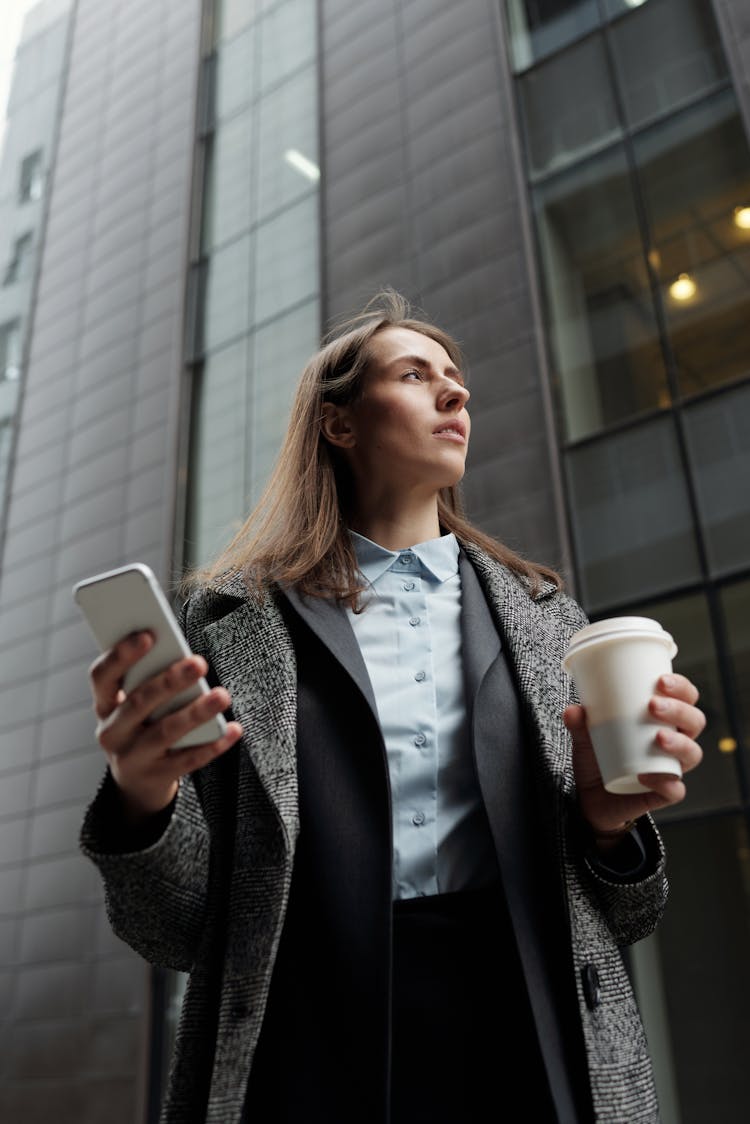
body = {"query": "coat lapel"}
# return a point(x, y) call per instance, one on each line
point(330, 623)
point(252, 653)
point(531, 640)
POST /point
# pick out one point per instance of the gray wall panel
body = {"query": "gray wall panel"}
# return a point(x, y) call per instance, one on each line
point(93, 486)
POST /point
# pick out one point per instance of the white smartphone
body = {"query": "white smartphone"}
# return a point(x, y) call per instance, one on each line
point(130, 599)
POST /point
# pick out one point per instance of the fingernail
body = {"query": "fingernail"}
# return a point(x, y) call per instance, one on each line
point(668, 680)
point(667, 738)
point(660, 706)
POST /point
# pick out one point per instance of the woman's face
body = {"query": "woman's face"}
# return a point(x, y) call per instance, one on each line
point(409, 429)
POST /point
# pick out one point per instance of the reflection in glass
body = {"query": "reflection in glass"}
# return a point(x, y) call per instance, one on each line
point(538, 27)
point(667, 53)
point(695, 175)
point(235, 73)
point(735, 603)
point(697, 964)
point(286, 259)
point(288, 124)
point(227, 311)
point(601, 323)
point(288, 40)
point(631, 518)
point(715, 784)
point(279, 352)
point(219, 451)
point(568, 107)
point(227, 199)
point(718, 434)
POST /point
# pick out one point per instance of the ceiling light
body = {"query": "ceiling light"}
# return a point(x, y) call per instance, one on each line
point(727, 745)
point(683, 289)
point(302, 165)
point(742, 217)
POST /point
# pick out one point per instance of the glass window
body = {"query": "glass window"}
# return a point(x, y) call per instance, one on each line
point(10, 351)
point(568, 107)
point(231, 16)
point(538, 27)
point(227, 311)
point(31, 182)
point(235, 73)
point(667, 53)
point(695, 177)
point(286, 259)
point(218, 453)
point(227, 201)
point(735, 603)
point(280, 351)
point(19, 266)
point(600, 318)
point(715, 784)
point(631, 518)
point(288, 38)
point(718, 434)
point(692, 977)
point(287, 165)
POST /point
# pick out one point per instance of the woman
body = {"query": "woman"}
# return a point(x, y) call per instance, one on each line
point(401, 895)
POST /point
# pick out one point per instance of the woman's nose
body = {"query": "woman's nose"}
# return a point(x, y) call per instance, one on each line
point(452, 396)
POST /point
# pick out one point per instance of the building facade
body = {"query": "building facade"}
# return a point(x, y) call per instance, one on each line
point(562, 184)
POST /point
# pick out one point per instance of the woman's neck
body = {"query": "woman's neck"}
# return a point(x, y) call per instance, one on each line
point(399, 527)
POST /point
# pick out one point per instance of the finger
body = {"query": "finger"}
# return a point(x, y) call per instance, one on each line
point(184, 761)
point(108, 670)
point(574, 717)
point(688, 752)
point(164, 734)
point(678, 686)
point(664, 789)
point(119, 730)
point(682, 715)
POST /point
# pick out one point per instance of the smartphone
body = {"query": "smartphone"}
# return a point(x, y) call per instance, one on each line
point(130, 599)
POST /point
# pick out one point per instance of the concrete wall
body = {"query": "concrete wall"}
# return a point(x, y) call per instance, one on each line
point(93, 486)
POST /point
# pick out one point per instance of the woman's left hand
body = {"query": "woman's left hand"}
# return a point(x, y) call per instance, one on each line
point(608, 813)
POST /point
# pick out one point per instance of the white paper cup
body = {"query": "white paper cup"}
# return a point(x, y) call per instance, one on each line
point(615, 665)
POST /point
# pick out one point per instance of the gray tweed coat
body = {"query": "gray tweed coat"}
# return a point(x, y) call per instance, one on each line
point(200, 890)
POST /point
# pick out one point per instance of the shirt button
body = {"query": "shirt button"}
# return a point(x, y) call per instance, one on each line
point(420, 676)
point(418, 819)
point(408, 586)
point(419, 739)
point(406, 559)
point(413, 621)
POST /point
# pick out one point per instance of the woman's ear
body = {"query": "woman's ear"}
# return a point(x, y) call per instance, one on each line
point(336, 425)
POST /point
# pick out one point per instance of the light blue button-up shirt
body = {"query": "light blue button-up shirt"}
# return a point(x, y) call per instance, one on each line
point(409, 633)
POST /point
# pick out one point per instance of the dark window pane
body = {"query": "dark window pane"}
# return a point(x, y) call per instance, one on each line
point(693, 976)
point(718, 433)
point(601, 322)
point(715, 784)
point(631, 520)
point(695, 175)
point(667, 52)
point(735, 601)
point(568, 107)
point(538, 27)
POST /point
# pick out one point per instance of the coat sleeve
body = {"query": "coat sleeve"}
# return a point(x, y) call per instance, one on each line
point(155, 879)
point(631, 906)
point(155, 884)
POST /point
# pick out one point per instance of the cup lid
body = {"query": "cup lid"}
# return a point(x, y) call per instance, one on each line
point(614, 626)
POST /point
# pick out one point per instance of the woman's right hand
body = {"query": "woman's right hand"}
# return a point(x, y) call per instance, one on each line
point(138, 751)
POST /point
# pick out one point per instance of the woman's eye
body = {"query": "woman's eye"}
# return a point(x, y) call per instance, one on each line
point(412, 374)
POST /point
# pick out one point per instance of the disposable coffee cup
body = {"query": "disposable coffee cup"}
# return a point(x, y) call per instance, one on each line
point(615, 665)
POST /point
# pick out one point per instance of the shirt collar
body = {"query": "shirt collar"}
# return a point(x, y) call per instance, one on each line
point(439, 557)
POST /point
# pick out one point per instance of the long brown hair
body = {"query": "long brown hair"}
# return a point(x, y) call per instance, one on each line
point(297, 534)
